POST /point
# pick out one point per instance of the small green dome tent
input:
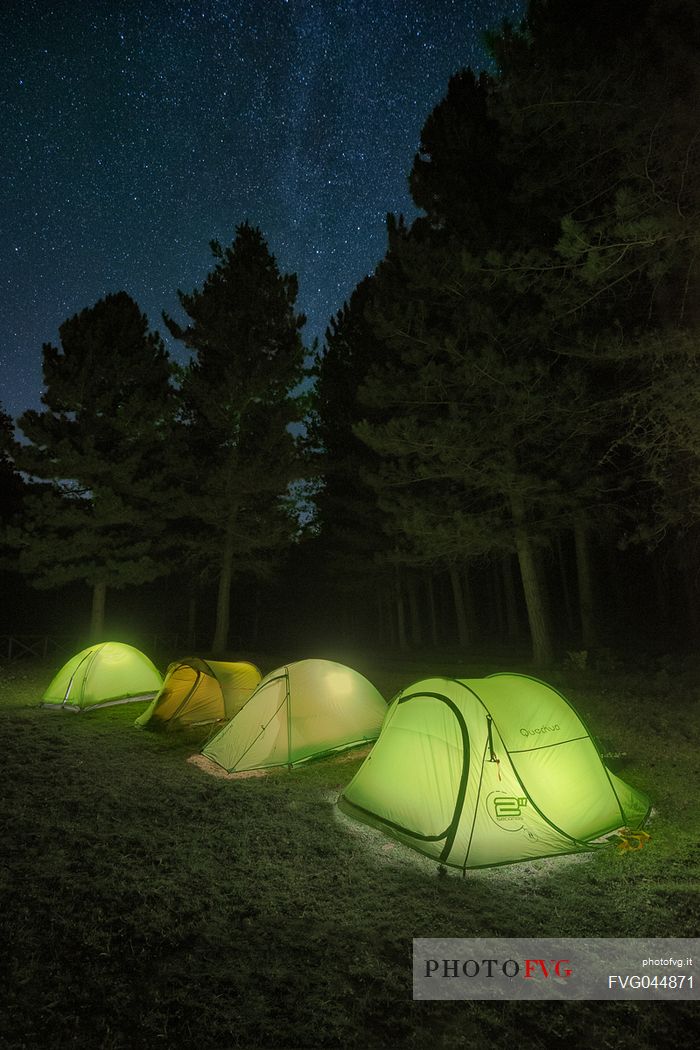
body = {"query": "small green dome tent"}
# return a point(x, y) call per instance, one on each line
point(490, 771)
point(102, 675)
point(197, 691)
point(299, 712)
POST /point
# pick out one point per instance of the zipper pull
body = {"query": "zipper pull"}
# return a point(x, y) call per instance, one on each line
point(492, 753)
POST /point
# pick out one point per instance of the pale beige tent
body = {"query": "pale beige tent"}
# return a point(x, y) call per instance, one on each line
point(299, 712)
point(197, 691)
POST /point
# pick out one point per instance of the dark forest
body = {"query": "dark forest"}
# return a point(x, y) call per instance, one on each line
point(497, 448)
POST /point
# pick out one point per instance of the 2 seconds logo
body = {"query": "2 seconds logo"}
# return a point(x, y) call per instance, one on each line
point(506, 811)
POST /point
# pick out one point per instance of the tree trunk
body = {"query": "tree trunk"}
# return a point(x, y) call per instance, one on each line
point(345, 621)
point(535, 600)
point(498, 605)
point(414, 610)
point(511, 600)
point(97, 617)
point(584, 575)
point(565, 589)
point(400, 613)
point(255, 621)
point(661, 583)
point(430, 585)
point(473, 624)
point(378, 622)
point(379, 606)
point(192, 621)
point(690, 573)
point(463, 634)
point(223, 601)
point(390, 633)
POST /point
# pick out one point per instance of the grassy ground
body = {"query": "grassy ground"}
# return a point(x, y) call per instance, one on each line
point(147, 904)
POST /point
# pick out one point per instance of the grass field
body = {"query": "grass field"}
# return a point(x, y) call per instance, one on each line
point(148, 904)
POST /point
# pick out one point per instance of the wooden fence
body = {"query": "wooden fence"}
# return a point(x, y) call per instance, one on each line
point(40, 646)
point(48, 646)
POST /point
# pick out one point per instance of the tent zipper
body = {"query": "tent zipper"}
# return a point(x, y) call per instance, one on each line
point(492, 754)
point(489, 722)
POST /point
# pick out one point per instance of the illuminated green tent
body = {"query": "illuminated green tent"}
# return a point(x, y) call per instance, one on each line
point(105, 674)
point(198, 691)
point(299, 712)
point(489, 771)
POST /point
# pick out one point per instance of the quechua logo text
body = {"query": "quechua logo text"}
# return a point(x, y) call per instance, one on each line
point(540, 730)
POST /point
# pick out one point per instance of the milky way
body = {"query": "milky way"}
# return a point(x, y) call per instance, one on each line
point(134, 133)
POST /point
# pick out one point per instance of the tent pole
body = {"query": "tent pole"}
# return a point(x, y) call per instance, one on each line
point(289, 721)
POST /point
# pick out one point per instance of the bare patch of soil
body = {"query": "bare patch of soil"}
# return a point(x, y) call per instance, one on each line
point(215, 770)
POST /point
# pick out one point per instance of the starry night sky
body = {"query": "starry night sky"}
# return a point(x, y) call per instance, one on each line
point(136, 131)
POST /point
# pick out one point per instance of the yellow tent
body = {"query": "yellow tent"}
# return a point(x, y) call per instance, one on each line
point(197, 691)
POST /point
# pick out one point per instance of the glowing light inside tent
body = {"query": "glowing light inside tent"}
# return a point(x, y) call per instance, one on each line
point(115, 657)
point(340, 683)
point(103, 674)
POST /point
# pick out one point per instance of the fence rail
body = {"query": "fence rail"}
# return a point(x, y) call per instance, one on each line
point(46, 646)
point(41, 646)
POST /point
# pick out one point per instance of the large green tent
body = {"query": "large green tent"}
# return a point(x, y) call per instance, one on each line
point(299, 712)
point(197, 691)
point(489, 771)
point(104, 674)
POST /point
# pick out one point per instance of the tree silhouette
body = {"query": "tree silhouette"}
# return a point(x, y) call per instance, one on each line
point(238, 398)
point(95, 455)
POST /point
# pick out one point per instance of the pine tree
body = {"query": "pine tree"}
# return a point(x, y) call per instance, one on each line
point(10, 482)
point(458, 178)
point(239, 401)
point(95, 454)
point(553, 290)
point(350, 544)
point(603, 113)
point(11, 497)
point(472, 432)
point(536, 324)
